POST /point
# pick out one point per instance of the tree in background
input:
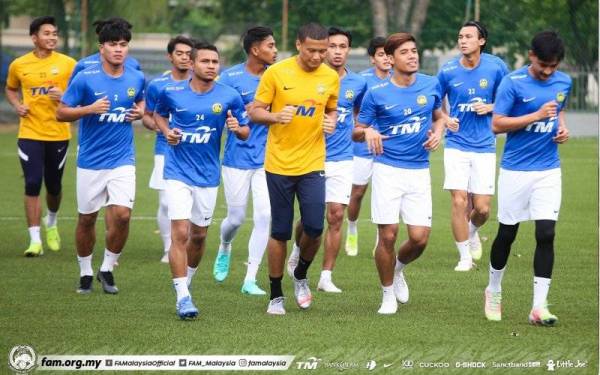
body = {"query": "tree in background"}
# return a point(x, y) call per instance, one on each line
point(391, 16)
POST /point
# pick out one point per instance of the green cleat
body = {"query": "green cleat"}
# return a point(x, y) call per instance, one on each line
point(34, 250)
point(221, 267)
point(493, 305)
point(352, 244)
point(252, 289)
point(53, 238)
point(542, 317)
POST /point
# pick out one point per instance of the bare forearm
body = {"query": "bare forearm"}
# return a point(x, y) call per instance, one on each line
point(148, 121)
point(242, 133)
point(358, 133)
point(262, 116)
point(505, 124)
point(68, 114)
point(12, 96)
point(161, 123)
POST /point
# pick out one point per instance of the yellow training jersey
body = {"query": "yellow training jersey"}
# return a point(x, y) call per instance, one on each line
point(35, 77)
point(298, 147)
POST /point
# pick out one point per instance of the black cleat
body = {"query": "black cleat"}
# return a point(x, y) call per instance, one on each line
point(85, 284)
point(108, 282)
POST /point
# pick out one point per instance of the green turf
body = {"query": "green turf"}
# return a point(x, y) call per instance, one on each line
point(442, 322)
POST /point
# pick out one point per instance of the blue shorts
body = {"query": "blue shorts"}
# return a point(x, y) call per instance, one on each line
point(42, 160)
point(310, 189)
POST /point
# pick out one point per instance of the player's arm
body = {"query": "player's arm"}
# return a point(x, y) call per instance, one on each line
point(562, 134)
point(66, 113)
point(504, 124)
point(136, 112)
point(434, 135)
point(13, 97)
point(162, 123)
point(259, 113)
point(329, 120)
point(148, 121)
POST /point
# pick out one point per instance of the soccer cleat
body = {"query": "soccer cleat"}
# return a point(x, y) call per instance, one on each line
point(186, 309)
point(541, 316)
point(252, 289)
point(165, 257)
point(400, 287)
point(302, 293)
point(292, 261)
point(276, 306)
point(475, 246)
point(328, 286)
point(53, 238)
point(464, 265)
point(85, 284)
point(352, 244)
point(493, 305)
point(108, 282)
point(221, 267)
point(388, 307)
point(34, 250)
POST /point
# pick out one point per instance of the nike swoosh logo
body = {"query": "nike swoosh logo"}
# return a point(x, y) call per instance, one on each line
point(457, 84)
point(99, 93)
point(322, 174)
point(60, 150)
point(527, 100)
point(386, 365)
point(390, 106)
point(244, 93)
point(180, 109)
point(288, 88)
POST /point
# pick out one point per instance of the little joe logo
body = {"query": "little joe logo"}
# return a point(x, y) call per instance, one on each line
point(22, 359)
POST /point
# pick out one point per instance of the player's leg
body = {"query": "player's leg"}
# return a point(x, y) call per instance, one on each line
point(385, 262)
point(482, 182)
point(157, 182)
point(362, 168)
point(260, 231)
point(292, 261)
point(31, 156)
point(203, 207)
point(55, 159)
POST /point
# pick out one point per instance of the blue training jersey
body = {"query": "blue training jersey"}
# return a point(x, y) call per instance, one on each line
point(95, 59)
point(248, 154)
point(339, 145)
point(360, 148)
point(201, 119)
point(404, 114)
point(152, 91)
point(105, 140)
point(465, 87)
point(531, 148)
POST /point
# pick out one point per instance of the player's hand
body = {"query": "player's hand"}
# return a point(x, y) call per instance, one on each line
point(100, 106)
point(482, 109)
point(433, 141)
point(374, 141)
point(452, 123)
point(174, 136)
point(134, 113)
point(232, 123)
point(328, 124)
point(286, 114)
point(549, 109)
point(562, 135)
point(55, 93)
point(22, 110)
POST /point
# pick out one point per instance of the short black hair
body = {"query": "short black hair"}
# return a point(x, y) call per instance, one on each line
point(114, 32)
point(374, 44)
point(548, 46)
point(179, 39)
point(313, 31)
point(35, 25)
point(101, 23)
point(202, 45)
point(255, 35)
point(337, 31)
point(481, 31)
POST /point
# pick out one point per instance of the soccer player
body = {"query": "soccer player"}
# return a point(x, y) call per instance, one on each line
point(96, 58)
point(302, 95)
point(178, 53)
point(529, 108)
point(199, 109)
point(243, 163)
point(470, 82)
point(363, 158)
point(107, 98)
point(410, 122)
point(41, 76)
point(339, 147)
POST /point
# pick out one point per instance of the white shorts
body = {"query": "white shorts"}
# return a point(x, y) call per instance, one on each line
point(473, 172)
point(238, 182)
point(362, 170)
point(401, 192)
point(105, 187)
point(157, 182)
point(338, 181)
point(531, 195)
point(192, 203)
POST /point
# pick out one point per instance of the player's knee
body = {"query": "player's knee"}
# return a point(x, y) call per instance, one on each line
point(313, 231)
point(335, 216)
point(33, 186)
point(544, 231)
point(262, 218)
point(459, 201)
point(483, 211)
point(86, 221)
point(121, 216)
point(281, 235)
point(236, 215)
point(388, 237)
point(53, 187)
point(419, 242)
point(197, 238)
point(507, 233)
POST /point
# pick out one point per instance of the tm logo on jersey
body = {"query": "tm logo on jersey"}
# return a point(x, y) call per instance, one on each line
point(342, 113)
point(307, 108)
point(118, 115)
point(40, 90)
point(201, 135)
point(468, 107)
point(541, 126)
point(413, 126)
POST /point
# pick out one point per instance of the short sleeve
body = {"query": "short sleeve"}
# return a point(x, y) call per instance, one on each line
point(12, 80)
point(505, 97)
point(367, 112)
point(151, 96)
point(140, 92)
point(79, 66)
point(238, 110)
point(361, 94)
point(333, 98)
point(74, 95)
point(443, 83)
point(439, 95)
point(265, 92)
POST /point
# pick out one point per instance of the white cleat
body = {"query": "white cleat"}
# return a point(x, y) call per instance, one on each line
point(165, 257)
point(302, 293)
point(292, 262)
point(475, 246)
point(400, 287)
point(276, 306)
point(464, 265)
point(328, 286)
point(388, 307)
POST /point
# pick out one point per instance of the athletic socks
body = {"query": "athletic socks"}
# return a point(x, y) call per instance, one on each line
point(302, 268)
point(352, 227)
point(275, 283)
point(463, 250)
point(109, 261)
point(472, 230)
point(191, 271)
point(51, 218)
point(85, 265)
point(34, 235)
point(495, 281)
point(252, 269)
point(541, 286)
point(180, 285)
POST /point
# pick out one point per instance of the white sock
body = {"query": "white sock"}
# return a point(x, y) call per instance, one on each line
point(495, 282)
point(388, 293)
point(225, 247)
point(34, 234)
point(463, 250)
point(472, 230)
point(162, 217)
point(252, 269)
point(352, 227)
point(399, 266)
point(109, 261)
point(541, 286)
point(295, 250)
point(85, 265)
point(326, 275)
point(257, 244)
point(51, 219)
point(181, 288)
point(190, 275)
